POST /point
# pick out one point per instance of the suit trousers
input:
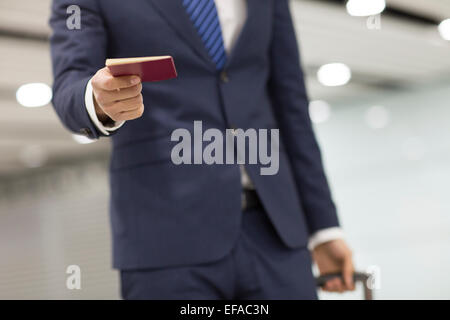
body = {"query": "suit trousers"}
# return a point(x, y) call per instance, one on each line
point(259, 266)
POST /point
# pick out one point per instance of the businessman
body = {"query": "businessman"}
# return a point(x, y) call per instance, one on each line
point(210, 231)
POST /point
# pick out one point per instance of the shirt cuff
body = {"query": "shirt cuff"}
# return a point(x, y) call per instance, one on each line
point(325, 235)
point(89, 101)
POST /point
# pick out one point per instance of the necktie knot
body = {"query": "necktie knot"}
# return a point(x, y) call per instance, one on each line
point(203, 14)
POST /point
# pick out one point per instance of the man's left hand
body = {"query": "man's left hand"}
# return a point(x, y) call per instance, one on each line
point(335, 256)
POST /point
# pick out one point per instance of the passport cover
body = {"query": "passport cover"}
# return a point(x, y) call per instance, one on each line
point(147, 68)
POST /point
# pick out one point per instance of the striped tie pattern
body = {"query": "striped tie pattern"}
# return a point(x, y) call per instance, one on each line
point(203, 14)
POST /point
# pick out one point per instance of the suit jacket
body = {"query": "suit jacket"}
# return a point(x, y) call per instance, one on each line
point(168, 215)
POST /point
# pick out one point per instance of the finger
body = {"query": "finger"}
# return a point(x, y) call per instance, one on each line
point(332, 285)
point(118, 107)
point(105, 97)
point(128, 109)
point(347, 273)
point(338, 285)
point(341, 286)
point(106, 81)
point(328, 286)
point(131, 115)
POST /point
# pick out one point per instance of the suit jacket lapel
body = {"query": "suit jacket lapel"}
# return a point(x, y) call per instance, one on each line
point(175, 14)
point(245, 33)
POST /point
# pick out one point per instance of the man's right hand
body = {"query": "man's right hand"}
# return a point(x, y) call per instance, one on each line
point(117, 98)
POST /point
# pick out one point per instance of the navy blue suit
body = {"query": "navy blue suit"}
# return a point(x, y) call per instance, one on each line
point(165, 215)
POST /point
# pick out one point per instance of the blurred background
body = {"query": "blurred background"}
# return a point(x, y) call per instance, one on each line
point(380, 92)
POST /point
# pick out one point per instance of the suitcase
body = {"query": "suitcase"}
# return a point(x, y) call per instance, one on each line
point(365, 278)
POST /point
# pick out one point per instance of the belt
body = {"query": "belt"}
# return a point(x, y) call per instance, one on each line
point(250, 200)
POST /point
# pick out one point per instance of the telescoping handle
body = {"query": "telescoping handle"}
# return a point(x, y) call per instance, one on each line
point(357, 277)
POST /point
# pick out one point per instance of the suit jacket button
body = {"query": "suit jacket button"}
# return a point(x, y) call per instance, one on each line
point(86, 132)
point(224, 77)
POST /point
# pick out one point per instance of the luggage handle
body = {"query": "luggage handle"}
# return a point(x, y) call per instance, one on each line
point(357, 277)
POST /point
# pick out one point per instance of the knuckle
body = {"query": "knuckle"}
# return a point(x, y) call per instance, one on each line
point(137, 100)
point(141, 111)
point(136, 90)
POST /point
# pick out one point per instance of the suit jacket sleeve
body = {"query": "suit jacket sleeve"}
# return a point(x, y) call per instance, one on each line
point(76, 56)
point(290, 101)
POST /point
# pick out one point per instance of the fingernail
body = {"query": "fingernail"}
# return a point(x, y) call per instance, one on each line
point(135, 80)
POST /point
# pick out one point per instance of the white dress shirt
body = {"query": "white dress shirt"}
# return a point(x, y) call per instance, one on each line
point(232, 17)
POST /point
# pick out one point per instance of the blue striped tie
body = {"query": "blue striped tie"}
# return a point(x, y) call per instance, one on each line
point(203, 14)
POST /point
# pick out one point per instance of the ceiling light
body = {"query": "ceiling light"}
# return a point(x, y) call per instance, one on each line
point(319, 111)
point(334, 74)
point(34, 95)
point(82, 139)
point(444, 29)
point(364, 8)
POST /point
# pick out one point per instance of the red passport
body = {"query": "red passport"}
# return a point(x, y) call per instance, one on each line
point(147, 68)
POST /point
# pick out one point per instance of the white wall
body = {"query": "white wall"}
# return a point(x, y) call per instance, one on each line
point(57, 221)
point(392, 187)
